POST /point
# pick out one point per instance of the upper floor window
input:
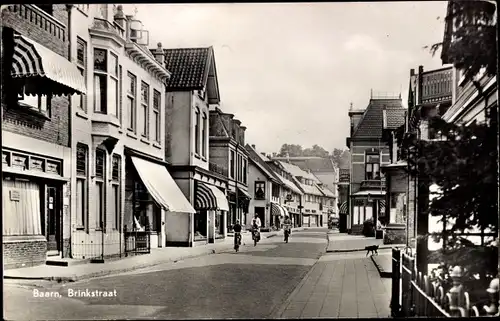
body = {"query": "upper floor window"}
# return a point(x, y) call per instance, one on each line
point(81, 64)
point(244, 171)
point(39, 103)
point(131, 100)
point(105, 82)
point(372, 166)
point(231, 164)
point(204, 135)
point(99, 196)
point(81, 185)
point(156, 115)
point(260, 190)
point(144, 108)
point(197, 132)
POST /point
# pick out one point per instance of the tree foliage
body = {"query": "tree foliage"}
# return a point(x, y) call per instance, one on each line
point(464, 166)
point(471, 43)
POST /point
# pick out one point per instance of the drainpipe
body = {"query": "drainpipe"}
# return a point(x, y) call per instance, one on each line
point(69, 8)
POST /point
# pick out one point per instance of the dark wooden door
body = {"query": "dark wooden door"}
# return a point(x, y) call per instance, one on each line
point(53, 219)
point(261, 212)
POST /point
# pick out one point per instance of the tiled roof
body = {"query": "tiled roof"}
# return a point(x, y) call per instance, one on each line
point(312, 163)
point(189, 67)
point(394, 118)
point(255, 157)
point(325, 191)
point(371, 123)
point(295, 170)
point(290, 185)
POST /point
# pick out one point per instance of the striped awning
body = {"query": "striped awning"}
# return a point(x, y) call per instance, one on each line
point(47, 72)
point(382, 206)
point(209, 197)
point(343, 208)
point(277, 210)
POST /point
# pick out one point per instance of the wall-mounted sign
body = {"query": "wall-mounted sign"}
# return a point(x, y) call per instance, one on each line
point(15, 195)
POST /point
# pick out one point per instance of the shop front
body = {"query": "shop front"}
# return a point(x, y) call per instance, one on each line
point(366, 205)
point(211, 212)
point(154, 204)
point(239, 202)
point(34, 206)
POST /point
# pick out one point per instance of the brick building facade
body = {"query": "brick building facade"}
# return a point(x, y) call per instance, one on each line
point(36, 132)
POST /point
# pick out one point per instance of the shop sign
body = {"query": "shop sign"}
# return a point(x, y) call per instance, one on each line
point(15, 195)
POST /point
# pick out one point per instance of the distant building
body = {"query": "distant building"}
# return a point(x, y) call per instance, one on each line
point(369, 152)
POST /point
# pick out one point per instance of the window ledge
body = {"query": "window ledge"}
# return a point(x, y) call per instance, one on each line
point(145, 141)
point(203, 158)
point(131, 135)
point(157, 145)
point(197, 156)
point(80, 228)
point(82, 114)
point(29, 109)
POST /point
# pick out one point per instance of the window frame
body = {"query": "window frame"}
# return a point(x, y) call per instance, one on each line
point(47, 103)
point(83, 221)
point(107, 74)
point(101, 181)
point(197, 131)
point(132, 96)
point(157, 115)
point(232, 164)
point(116, 183)
point(256, 185)
point(82, 67)
point(204, 134)
point(372, 172)
point(245, 166)
point(145, 104)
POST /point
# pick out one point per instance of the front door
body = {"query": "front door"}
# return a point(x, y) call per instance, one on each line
point(53, 219)
point(261, 212)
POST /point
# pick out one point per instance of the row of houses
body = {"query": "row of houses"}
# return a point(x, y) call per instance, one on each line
point(379, 184)
point(110, 146)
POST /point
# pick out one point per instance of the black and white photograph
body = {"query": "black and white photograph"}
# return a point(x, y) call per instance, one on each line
point(250, 160)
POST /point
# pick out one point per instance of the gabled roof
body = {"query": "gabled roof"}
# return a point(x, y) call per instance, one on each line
point(254, 157)
point(325, 190)
point(190, 68)
point(371, 123)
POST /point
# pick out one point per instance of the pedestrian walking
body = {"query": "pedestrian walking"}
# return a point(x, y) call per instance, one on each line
point(256, 224)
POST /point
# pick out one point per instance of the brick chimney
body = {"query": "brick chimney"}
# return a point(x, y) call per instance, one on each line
point(159, 54)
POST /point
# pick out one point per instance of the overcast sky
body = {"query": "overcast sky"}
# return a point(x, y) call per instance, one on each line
point(290, 71)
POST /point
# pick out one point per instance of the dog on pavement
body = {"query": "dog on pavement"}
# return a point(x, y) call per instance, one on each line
point(371, 248)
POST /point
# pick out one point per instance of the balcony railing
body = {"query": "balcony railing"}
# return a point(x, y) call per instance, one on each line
point(217, 169)
point(101, 24)
point(275, 199)
point(34, 16)
point(437, 85)
point(373, 184)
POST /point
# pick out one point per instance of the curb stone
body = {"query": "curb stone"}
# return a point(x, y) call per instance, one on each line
point(383, 274)
point(74, 278)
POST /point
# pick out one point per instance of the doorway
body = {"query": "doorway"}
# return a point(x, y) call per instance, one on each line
point(53, 220)
point(261, 212)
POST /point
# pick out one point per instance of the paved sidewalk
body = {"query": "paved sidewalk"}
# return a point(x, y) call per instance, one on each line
point(340, 286)
point(342, 242)
point(157, 256)
point(383, 263)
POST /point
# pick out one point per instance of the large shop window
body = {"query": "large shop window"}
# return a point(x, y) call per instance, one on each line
point(200, 225)
point(131, 100)
point(81, 64)
point(260, 190)
point(115, 191)
point(219, 226)
point(398, 208)
point(144, 109)
point(156, 115)
point(21, 208)
point(105, 82)
point(81, 185)
point(100, 199)
point(372, 166)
